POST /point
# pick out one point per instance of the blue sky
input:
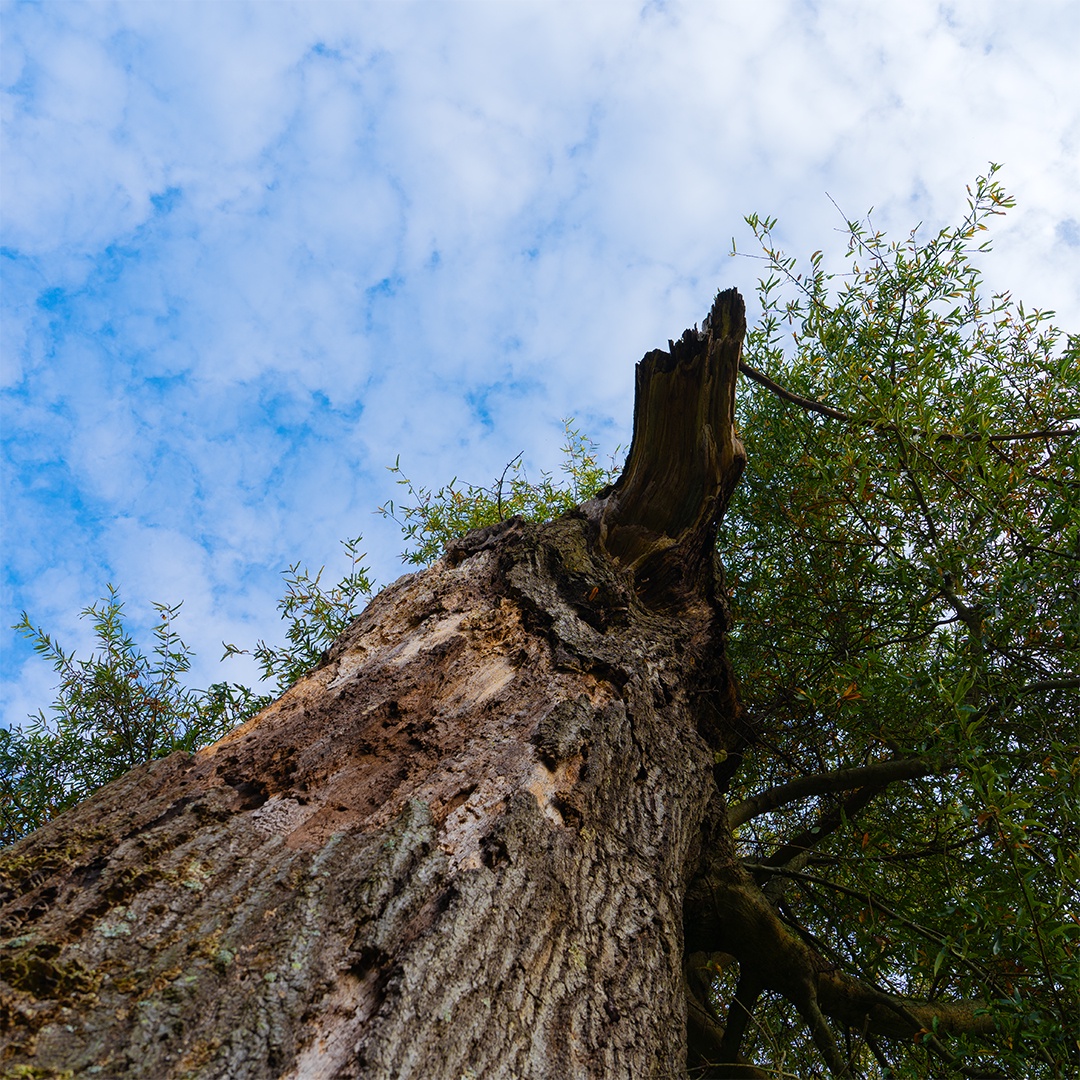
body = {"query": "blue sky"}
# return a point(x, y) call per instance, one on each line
point(251, 252)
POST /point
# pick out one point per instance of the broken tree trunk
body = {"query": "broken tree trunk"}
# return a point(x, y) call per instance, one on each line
point(461, 847)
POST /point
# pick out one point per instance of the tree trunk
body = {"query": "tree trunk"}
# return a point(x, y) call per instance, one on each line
point(459, 848)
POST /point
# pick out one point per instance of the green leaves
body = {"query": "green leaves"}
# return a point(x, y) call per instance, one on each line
point(920, 540)
point(120, 707)
point(115, 709)
point(432, 519)
point(315, 615)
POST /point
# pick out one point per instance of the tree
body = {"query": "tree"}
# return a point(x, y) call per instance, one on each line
point(407, 864)
point(520, 822)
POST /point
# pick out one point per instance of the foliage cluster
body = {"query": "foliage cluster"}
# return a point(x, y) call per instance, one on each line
point(315, 616)
point(903, 558)
point(115, 709)
point(120, 707)
point(432, 518)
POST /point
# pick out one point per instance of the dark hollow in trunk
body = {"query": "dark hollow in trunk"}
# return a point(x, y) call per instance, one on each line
point(461, 847)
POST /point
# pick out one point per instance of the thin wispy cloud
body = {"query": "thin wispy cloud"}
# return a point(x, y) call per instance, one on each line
point(252, 252)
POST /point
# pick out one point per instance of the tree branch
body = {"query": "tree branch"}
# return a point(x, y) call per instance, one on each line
point(736, 917)
point(787, 395)
point(795, 854)
point(874, 902)
point(1071, 683)
point(847, 999)
point(1052, 433)
point(878, 774)
point(740, 1010)
point(706, 1035)
point(826, 410)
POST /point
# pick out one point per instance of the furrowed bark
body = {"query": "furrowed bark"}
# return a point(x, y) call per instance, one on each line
point(460, 847)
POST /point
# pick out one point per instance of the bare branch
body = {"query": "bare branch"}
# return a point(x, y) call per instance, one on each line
point(878, 774)
point(1054, 433)
point(787, 395)
point(1070, 683)
point(827, 410)
point(498, 495)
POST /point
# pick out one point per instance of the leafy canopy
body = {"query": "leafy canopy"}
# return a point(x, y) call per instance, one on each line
point(903, 557)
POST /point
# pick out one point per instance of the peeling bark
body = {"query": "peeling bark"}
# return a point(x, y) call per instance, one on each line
point(460, 847)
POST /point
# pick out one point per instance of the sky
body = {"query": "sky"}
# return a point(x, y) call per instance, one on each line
point(253, 252)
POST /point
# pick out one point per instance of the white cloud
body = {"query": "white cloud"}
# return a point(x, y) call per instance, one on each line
point(254, 251)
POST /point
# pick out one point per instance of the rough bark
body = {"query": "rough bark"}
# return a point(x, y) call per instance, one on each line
point(461, 847)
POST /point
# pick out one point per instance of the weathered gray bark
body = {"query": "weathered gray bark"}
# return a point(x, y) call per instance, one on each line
point(460, 848)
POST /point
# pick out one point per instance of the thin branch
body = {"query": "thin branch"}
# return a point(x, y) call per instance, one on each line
point(895, 857)
point(1071, 683)
point(931, 527)
point(787, 395)
point(1008, 527)
point(1055, 433)
point(1026, 893)
point(880, 773)
point(498, 495)
point(827, 410)
point(879, 1057)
